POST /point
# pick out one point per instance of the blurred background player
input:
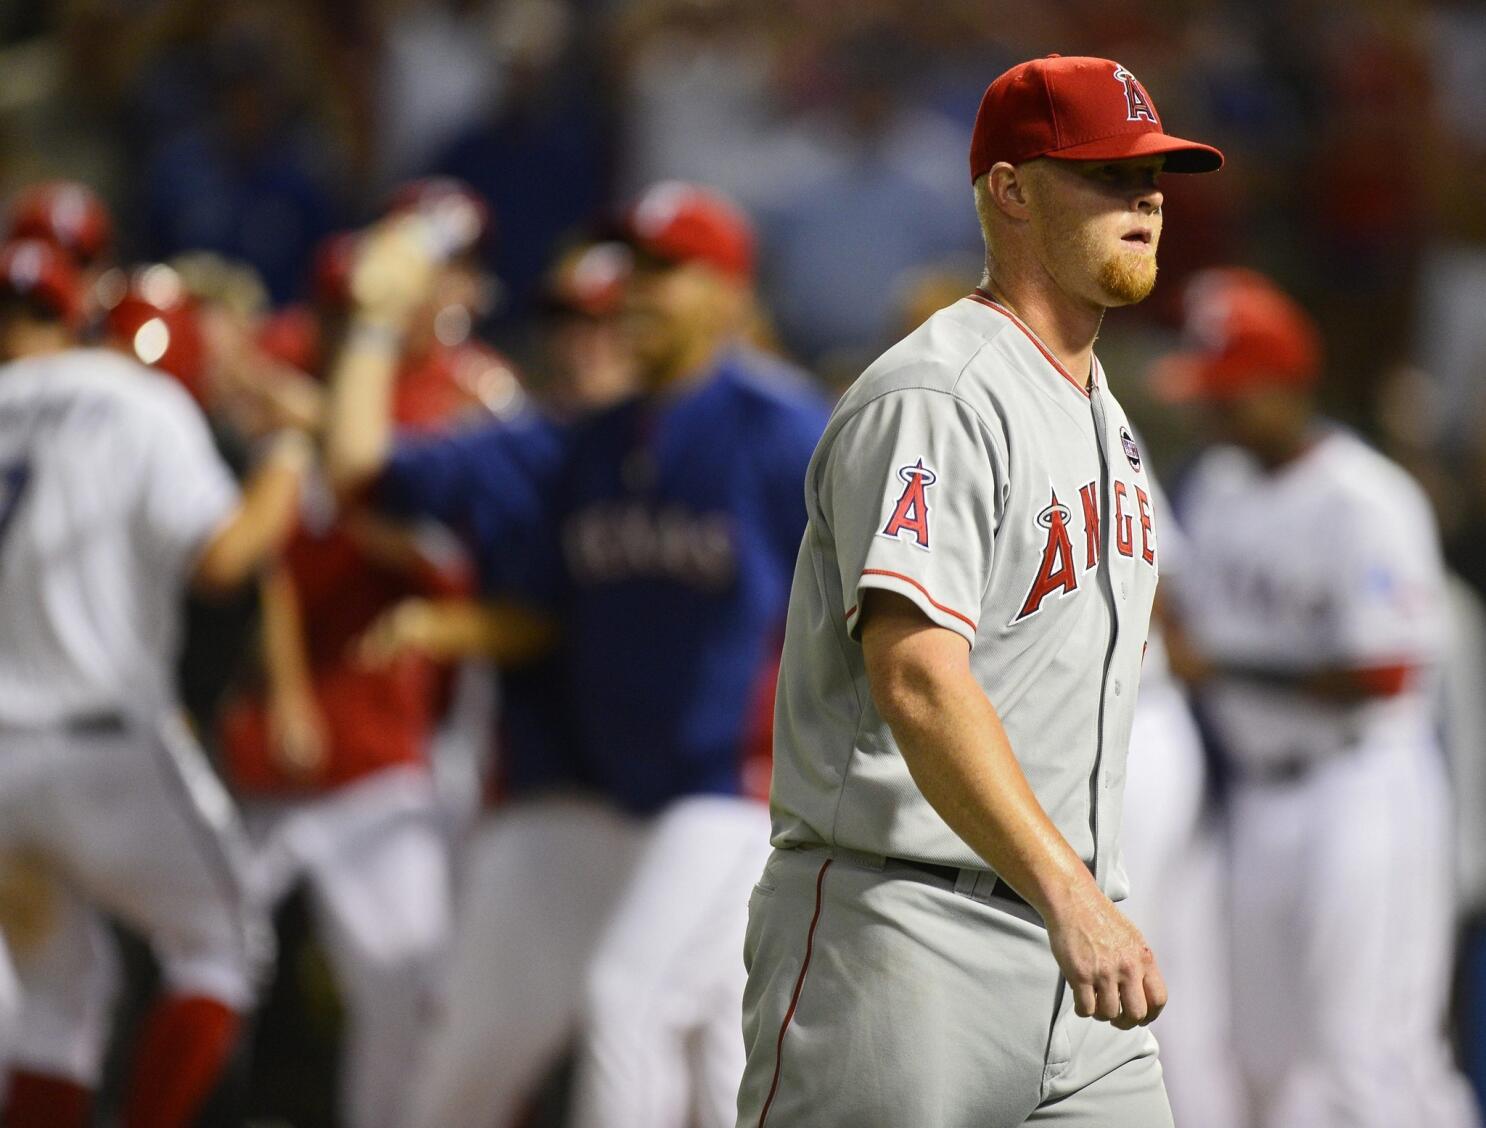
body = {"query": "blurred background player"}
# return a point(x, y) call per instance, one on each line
point(332, 755)
point(115, 502)
point(540, 790)
point(73, 218)
point(1311, 608)
point(663, 531)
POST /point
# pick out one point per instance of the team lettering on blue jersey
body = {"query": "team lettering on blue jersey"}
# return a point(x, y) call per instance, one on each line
point(663, 533)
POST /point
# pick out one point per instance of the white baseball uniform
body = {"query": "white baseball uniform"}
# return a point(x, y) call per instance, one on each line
point(893, 979)
point(1342, 883)
point(111, 487)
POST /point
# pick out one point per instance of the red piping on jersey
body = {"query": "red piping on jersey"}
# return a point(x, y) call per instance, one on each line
point(966, 619)
point(794, 1000)
point(986, 300)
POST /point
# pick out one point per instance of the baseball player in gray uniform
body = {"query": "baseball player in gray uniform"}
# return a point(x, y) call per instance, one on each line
point(935, 933)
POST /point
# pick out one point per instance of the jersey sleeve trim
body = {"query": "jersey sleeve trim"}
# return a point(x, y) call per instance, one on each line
point(939, 613)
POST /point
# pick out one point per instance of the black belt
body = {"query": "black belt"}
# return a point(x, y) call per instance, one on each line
point(87, 724)
point(951, 875)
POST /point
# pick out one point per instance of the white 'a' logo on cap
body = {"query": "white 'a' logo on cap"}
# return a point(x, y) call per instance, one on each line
point(1137, 106)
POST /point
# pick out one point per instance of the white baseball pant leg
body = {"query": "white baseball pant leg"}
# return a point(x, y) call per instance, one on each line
point(662, 1045)
point(1174, 859)
point(1342, 909)
point(377, 863)
point(135, 823)
point(539, 882)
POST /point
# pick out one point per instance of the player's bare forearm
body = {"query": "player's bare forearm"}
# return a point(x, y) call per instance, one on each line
point(286, 666)
point(263, 520)
point(358, 430)
point(961, 760)
point(393, 273)
point(958, 753)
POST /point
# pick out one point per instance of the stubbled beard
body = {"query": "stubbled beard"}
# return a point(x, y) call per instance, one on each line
point(1127, 278)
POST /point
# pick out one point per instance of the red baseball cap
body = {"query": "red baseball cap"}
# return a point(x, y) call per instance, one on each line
point(35, 269)
point(1245, 333)
point(1077, 108)
point(65, 213)
point(679, 222)
point(155, 320)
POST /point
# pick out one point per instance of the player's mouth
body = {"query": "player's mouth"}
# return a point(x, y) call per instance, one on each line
point(1141, 236)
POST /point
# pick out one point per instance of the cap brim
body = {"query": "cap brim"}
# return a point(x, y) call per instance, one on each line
point(1181, 155)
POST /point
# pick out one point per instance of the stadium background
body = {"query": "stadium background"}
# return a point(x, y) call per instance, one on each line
point(1355, 135)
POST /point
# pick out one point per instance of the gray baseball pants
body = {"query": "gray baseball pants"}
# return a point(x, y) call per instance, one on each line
point(880, 997)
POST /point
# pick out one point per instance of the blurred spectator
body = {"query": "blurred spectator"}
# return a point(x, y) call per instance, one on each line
point(541, 151)
point(248, 178)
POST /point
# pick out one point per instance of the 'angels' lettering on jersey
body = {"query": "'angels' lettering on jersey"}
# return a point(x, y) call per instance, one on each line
point(1057, 573)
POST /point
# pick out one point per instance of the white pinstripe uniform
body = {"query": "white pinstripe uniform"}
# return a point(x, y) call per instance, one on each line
point(109, 487)
point(892, 980)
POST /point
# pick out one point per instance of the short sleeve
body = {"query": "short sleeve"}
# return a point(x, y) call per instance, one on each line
point(910, 493)
point(188, 491)
point(1389, 605)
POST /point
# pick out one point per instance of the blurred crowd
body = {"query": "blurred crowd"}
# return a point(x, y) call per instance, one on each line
point(251, 147)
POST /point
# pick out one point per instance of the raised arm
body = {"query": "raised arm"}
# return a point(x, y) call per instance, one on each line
point(392, 276)
point(959, 756)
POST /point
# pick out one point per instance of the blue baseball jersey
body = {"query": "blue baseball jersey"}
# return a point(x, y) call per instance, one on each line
point(663, 532)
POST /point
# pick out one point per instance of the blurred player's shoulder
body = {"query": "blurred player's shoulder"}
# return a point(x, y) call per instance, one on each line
point(93, 376)
point(773, 393)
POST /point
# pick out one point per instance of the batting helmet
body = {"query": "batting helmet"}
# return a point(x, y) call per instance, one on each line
point(66, 214)
point(153, 318)
point(39, 272)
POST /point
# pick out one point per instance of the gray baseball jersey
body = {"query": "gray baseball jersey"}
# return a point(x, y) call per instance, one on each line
point(969, 472)
point(109, 486)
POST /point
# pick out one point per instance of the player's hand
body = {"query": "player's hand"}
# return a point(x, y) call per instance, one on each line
point(408, 628)
point(396, 265)
point(1110, 968)
point(298, 735)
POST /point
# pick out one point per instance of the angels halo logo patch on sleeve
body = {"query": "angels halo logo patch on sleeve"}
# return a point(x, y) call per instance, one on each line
point(911, 510)
point(1132, 452)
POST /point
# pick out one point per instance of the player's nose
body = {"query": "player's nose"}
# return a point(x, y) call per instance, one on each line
point(1149, 200)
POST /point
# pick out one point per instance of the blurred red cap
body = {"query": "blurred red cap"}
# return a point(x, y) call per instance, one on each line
point(1077, 108)
point(38, 270)
point(64, 213)
point(154, 319)
point(1245, 333)
point(679, 222)
point(460, 216)
point(590, 280)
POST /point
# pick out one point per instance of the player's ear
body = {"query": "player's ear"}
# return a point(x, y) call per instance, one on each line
point(1007, 187)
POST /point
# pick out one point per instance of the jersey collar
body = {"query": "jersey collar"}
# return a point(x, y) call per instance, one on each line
point(979, 295)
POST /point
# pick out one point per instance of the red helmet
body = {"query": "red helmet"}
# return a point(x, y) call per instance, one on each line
point(154, 319)
point(459, 214)
point(35, 269)
point(66, 214)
